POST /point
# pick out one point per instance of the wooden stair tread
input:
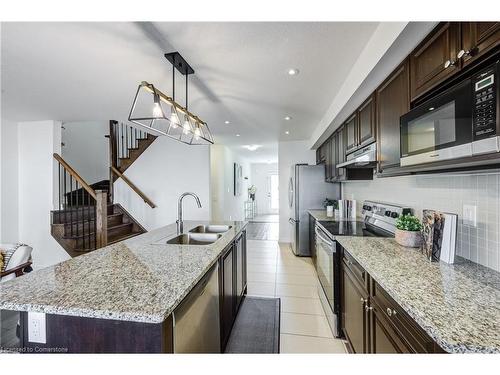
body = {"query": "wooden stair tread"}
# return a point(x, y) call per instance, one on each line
point(112, 240)
point(87, 220)
point(123, 225)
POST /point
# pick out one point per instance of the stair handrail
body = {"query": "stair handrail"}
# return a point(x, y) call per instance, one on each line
point(132, 186)
point(75, 175)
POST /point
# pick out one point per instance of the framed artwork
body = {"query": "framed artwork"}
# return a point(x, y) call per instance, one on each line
point(238, 179)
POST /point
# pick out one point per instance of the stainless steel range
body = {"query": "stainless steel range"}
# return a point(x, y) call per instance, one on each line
point(377, 220)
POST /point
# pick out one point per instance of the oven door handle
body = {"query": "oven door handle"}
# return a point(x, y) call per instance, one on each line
point(328, 242)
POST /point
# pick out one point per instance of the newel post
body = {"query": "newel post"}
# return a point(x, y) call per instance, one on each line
point(101, 218)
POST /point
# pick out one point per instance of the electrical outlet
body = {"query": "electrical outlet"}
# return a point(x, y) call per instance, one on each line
point(37, 328)
point(469, 215)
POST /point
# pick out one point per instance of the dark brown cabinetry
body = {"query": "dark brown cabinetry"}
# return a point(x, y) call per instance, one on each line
point(354, 316)
point(340, 173)
point(392, 101)
point(477, 39)
point(227, 294)
point(233, 283)
point(330, 160)
point(366, 122)
point(435, 59)
point(321, 153)
point(240, 255)
point(372, 321)
point(351, 130)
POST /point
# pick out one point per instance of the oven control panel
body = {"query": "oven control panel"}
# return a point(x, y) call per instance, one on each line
point(484, 86)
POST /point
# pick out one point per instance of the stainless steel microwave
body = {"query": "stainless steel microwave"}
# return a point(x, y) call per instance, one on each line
point(461, 122)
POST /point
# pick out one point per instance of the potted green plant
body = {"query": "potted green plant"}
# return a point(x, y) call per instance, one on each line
point(408, 231)
point(330, 205)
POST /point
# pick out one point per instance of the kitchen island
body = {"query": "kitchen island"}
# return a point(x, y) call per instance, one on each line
point(121, 298)
point(457, 306)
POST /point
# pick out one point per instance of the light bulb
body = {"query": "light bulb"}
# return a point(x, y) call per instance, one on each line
point(174, 118)
point(157, 112)
point(197, 133)
point(186, 125)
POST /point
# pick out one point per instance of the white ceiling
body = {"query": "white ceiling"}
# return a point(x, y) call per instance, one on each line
point(90, 71)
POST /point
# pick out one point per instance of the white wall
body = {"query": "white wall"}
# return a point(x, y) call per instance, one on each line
point(447, 193)
point(225, 205)
point(38, 140)
point(290, 153)
point(259, 175)
point(163, 172)
point(86, 149)
point(9, 186)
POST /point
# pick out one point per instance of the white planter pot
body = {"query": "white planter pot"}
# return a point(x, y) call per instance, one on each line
point(408, 238)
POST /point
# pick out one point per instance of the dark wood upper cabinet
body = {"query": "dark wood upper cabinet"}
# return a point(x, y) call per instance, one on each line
point(435, 59)
point(392, 101)
point(366, 122)
point(351, 130)
point(340, 173)
point(477, 39)
point(321, 153)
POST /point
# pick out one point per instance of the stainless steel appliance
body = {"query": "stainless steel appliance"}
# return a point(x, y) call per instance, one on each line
point(461, 122)
point(379, 220)
point(363, 158)
point(307, 190)
point(196, 319)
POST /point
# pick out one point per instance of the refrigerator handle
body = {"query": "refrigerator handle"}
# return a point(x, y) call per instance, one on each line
point(292, 221)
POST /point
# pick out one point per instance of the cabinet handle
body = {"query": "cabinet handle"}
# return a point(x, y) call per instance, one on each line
point(368, 308)
point(449, 63)
point(391, 312)
point(463, 53)
point(363, 301)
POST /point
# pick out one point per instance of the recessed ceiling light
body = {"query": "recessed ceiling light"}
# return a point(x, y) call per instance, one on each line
point(287, 132)
point(431, 109)
point(237, 135)
point(288, 118)
point(293, 72)
point(252, 147)
point(227, 122)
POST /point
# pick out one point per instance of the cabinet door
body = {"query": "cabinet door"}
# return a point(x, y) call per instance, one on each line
point(392, 101)
point(227, 304)
point(351, 133)
point(477, 39)
point(333, 158)
point(354, 317)
point(428, 63)
point(321, 154)
point(312, 239)
point(383, 338)
point(240, 269)
point(340, 172)
point(366, 122)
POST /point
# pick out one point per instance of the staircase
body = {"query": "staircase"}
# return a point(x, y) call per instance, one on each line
point(87, 218)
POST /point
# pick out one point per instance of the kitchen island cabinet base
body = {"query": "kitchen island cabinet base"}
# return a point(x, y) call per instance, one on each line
point(73, 334)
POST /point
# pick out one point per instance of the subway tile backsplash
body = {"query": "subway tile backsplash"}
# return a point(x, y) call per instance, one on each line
point(448, 193)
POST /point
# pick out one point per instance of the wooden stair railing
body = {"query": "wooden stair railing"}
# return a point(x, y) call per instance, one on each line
point(126, 144)
point(81, 206)
point(133, 187)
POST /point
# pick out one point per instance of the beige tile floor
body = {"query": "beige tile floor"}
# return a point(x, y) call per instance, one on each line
point(273, 271)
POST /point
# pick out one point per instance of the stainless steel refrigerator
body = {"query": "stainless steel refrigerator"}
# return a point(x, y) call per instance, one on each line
point(307, 190)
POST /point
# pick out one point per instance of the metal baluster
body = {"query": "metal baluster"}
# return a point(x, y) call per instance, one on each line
point(65, 199)
point(95, 225)
point(123, 152)
point(135, 139)
point(126, 142)
point(77, 208)
point(71, 203)
point(59, 186)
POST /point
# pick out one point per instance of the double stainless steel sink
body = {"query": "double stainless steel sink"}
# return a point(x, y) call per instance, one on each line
point(200, 235)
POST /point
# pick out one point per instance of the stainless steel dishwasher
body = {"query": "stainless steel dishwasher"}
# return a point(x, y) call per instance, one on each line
point(196, 319)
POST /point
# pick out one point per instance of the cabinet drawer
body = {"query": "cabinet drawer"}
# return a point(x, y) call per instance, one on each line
point(357, 271)
point(411, 335)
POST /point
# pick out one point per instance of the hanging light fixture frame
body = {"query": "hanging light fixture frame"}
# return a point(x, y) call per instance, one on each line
point(183, 125)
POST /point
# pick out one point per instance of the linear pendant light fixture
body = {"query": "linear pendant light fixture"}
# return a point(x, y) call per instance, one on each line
point(162, 115)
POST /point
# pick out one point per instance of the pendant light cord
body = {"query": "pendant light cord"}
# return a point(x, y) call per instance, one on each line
point(173, 82)
point(186, 91)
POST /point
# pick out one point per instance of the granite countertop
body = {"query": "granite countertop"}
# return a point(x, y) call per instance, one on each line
point(320, 215)
point(457, 305)
point(141, 279)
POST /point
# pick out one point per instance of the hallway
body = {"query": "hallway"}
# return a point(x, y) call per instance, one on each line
point(273, 271)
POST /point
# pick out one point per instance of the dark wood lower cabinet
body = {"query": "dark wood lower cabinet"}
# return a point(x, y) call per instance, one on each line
point(354, 315)
point(227, 294)
point(372, 321)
